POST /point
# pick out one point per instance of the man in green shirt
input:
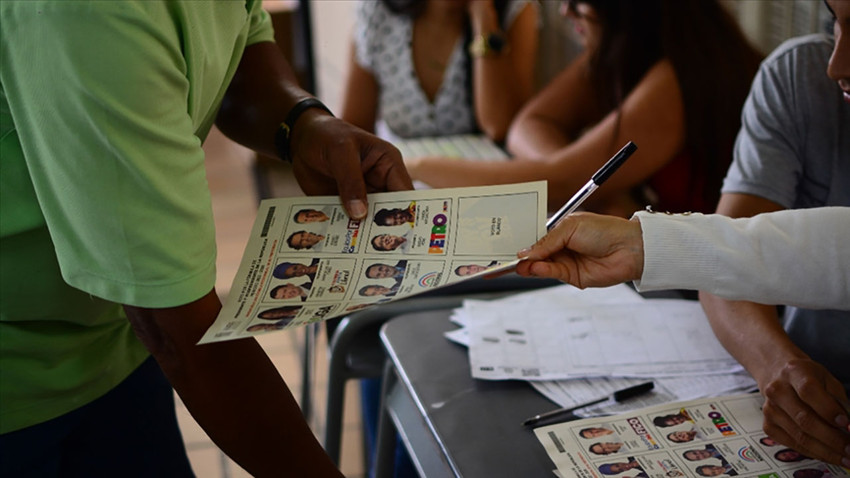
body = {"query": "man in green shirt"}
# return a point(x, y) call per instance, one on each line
point(105, 216)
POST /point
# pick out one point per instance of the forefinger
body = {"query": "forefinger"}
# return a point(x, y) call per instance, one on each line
point(345, 167)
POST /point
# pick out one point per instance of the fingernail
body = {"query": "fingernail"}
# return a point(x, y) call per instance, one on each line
point(845, 462)
point(523, 252)
point(357, 208)
point(841, 421)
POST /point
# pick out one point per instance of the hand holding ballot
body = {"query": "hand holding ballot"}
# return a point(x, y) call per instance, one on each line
point(739, 259)
point(587, 250)
point(370, 164)
point(308, 261)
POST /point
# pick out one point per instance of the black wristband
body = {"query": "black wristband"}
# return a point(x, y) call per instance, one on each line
point(284, 131)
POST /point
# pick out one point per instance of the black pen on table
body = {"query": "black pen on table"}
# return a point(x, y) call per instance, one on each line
point(595, 181)
point(619, 396)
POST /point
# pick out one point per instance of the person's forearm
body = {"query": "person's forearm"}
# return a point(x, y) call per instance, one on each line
point(563, 181)
point(499, 94)
point(535, 137)
point(439, 172)
point(269, 436)
point(752, 333)
point(360, 95)
point(501, 85)
point(556, 115)
point(259, 97)
point(803, 403)
point(786, 257)
point(233, 391)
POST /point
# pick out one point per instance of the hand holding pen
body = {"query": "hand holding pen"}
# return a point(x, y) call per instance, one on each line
point(587, 250)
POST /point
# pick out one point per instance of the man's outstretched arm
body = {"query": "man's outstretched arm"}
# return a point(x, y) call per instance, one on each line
point(329, 155)
point(233, 391)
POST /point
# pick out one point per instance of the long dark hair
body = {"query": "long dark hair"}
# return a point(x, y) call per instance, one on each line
point(713, 61)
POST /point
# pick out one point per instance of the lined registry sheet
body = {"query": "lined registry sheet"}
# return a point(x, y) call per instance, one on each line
point(547, 337)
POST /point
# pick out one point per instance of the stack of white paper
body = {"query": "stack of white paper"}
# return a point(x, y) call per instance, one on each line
point(575, 346)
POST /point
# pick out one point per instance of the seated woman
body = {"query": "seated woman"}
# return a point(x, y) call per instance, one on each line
point(670, 75)
point(441, 67)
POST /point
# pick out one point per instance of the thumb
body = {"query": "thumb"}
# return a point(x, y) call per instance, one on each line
point(555, 241)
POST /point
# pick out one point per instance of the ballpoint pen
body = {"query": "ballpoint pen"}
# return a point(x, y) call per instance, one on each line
point(619, 396)
point(595, 181)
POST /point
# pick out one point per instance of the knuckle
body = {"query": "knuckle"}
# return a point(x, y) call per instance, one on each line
point(772, 391)
point(789, 369)
point(799, 368)
point(801, 440)
point(804, 420)
point(769, 410)
point(769, 428)
point(809, 388)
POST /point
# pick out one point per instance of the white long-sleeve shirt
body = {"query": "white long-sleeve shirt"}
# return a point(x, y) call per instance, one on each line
point(794, 257)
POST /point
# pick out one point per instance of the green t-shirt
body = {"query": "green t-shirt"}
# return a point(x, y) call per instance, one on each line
point(103, 192)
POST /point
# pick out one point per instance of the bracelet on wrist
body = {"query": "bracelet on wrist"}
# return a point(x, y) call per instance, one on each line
point(284, 131)
point(491, 44)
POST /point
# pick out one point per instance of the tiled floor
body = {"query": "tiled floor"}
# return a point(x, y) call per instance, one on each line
point(234, 206)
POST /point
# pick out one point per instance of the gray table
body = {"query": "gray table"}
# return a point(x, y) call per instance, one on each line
point(452, 424)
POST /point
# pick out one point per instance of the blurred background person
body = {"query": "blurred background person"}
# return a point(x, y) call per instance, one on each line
point(441, 67)
point(650, 73)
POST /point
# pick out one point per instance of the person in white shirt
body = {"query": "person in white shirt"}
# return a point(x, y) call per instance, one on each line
point(794, 257)
point(791, 257)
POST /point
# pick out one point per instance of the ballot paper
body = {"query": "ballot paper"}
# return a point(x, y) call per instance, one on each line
point(720, 436)
point(307, 261)
point(651, 338)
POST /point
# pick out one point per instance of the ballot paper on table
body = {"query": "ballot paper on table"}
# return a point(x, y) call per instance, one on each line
point(718, 436)
point(548, 335)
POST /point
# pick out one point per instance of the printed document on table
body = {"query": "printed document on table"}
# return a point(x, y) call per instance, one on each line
point(719, 436)
point(651, 338)
point(306, 261)
point(572, 392)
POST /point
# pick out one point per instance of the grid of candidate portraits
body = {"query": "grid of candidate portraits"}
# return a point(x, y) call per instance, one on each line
point(710, 439)
point(328, 264)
